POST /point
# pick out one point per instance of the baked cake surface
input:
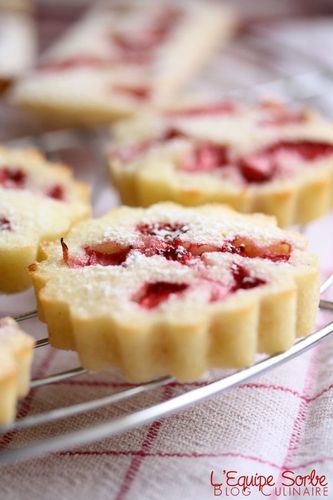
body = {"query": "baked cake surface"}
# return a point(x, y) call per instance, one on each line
point(175, 290)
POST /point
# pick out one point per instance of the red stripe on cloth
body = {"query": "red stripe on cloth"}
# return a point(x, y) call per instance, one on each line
point(304, 397)
point(300, 418)
point(299, 421)
point(273, 387)
point(165, 454)
point(123, 385)
point(27, 402)
point(310, 463)
point(309, 399)
point(137, 460)
point(252, 385)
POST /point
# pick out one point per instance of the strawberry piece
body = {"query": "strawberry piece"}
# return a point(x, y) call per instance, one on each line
point(243, 279)
point(12, 177)
point(5, 224)
point(56, 192)
point(205, 157)
point(307, 150)
point(141, 93)
point(276, 252)
point(162, 229)
point(107, 259)
point(73, 62)
point(92, 256)
point(257, 168)
point(165, 239)
point(170, 250)
point(172, 133)
point(220, 108)
point(261, 166)
point(151, 295)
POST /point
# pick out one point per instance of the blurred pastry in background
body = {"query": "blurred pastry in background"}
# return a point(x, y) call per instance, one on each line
point(124, 56)
point(266, 157)
point(18, 45)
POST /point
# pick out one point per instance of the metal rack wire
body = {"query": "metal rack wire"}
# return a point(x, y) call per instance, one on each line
point(140, 417)
point(307, 85)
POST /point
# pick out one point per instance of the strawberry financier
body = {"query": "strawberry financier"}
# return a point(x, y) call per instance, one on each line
point(175, 290)
point(39, 201)
point(123, 56)
point(15, 361)
point(262, 158)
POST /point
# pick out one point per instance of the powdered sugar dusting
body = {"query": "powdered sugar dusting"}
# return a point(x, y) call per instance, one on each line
point(209, 274)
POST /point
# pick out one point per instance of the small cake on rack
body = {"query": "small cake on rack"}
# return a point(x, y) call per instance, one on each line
point(266, 158)
point(15, 362)
point(176, 290)
point(39, 200)
point(123, 56)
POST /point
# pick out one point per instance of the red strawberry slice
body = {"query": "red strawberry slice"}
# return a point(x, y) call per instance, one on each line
point(5, 224)
point(93, 256)
point(243, 279)
point(142, 93)
point(277, 252)
point(262, 165)
point(162, 229)
point(151, 295)
point(73, 62)
point(205, 157)
point(57, 192)
point(220, 108)
point(11, 177)
point(257, 168)
point(172, 133)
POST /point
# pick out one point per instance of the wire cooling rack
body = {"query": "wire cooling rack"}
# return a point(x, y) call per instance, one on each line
point(309, 84)
point(141, 417)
